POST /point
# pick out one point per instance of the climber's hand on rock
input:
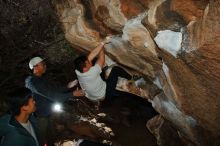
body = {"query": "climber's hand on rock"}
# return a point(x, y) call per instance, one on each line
point(108, 39)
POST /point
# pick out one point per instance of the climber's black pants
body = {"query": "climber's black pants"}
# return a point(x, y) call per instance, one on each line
point(111, 92)
point(112, 80)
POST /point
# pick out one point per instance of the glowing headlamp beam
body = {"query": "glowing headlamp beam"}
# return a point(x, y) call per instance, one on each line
point(57, 107)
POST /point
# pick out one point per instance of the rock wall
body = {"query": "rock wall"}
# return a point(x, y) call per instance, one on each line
point(174, 44)
point(28, 29)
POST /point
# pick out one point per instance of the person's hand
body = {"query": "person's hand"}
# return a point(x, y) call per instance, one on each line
point(78, 92)
point(107, 39)
point(72, 84)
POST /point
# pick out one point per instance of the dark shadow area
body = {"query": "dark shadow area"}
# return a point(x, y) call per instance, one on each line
point(129, 116)
point(126, 116)
point(27, 29)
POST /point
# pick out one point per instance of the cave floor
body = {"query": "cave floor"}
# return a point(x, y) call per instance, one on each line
point(129, 121)
point(127, 117)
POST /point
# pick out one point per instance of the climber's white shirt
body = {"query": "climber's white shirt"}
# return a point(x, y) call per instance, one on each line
point(92, 83)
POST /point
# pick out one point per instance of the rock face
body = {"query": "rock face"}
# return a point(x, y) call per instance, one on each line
point(164, 132)
point(175, 44)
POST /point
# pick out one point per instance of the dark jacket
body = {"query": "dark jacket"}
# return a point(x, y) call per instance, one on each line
point(46, 94)
point(12, 133)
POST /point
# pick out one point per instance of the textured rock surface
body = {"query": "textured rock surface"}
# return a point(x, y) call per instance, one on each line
point(165, 133)
point(189, 81)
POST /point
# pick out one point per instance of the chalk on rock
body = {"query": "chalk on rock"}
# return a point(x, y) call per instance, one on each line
point(140, 82)
point(102, 114)
point(169, 41)
point(146, 44)
point(93, 120)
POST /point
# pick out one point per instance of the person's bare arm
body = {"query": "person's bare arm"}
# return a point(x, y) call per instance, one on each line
point(99, 48)
point(78, 92)
point(101, 58)
point(95, 51)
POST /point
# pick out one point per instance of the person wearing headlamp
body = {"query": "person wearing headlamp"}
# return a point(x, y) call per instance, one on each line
point(46, 94)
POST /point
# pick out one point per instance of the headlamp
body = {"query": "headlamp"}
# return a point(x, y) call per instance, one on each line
point(57, 107)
